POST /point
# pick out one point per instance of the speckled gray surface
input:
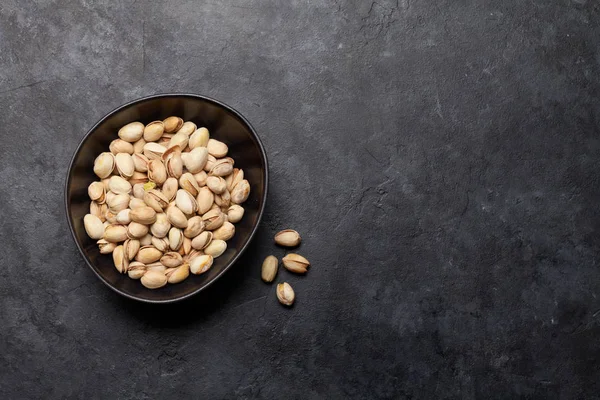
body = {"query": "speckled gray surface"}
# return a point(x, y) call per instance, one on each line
point(440, 158)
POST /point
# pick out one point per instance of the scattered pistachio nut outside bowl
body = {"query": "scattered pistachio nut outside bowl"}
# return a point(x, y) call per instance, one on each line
point(225, 125)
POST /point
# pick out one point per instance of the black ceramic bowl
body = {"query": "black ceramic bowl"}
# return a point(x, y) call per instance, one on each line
point(223, 123)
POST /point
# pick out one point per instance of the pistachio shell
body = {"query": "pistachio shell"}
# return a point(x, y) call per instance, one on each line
point(117, 203)
point(93, 226)
point(288, 238)
point(205, 200)
point(201, 264)
point(215, 248)
point(216, 148)
point(285, 294)
point(131, 247)
point(140, 162)
point(119, 185)
point(213, 219)
point(96, 210)
point(172, 124)
point(225, 231)
point(156, 199)
point(199, 138)
point(154, 279)
point(136, 270)
point(136, 203)
point(187, 245)
point(176, 217)
point(156, 266)
point(153, 150)
point(161, 227)
point(188, 182)
point(269, 269)
point(138, 147)
point(106, 247)
point(146, 240)
point(295, 263)
point(123, 217)
point(138, 191)
point(187, 128)
point(171, 259)
point(195, 160)
point(210, 161)
point(115, 233)
point(97, 192)
point(223, 200)
point(179, 139)
point(148, 254)
point(236, 177)
point(179, 274)
point(120, 260)
point(143, 215)
point(201, 178)
point(138, 177)
point(175, 239)
point(202, 240)
point(153, 131)
point(240, 192)
point(104, 165)
point(222, 167)
point(216, 184)
point(105, 183)
point(120, 146)
point(235, 213)
point(110, 217)
point(125, 165)
point(137, 230)
point(186, 202)
point(170, 187)
point(157, 171)
point(132, 132)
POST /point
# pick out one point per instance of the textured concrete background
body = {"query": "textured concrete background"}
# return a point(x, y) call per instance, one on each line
point(440, 158)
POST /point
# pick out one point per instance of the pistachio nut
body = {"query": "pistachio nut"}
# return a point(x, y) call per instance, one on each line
point(138, 147)
point(213, 219)
point(176, 217)
point(187, 128)
point(175, 239)
point(123, 217)
point(288, 238)
point(216, 148)
point(156, 199)
point(106, 247)
point(188, 182)
point(136, 203)
point(154, 279)
point(215, 248)
point(216, 184)
point(125, 165)
point(222, 167)
point(132, 132)
point(187, 245)
point(172, 124)
point(131, 247)
point(236, 177)
point(93, 226)
point(173, 163)
point(169, 188)
point(235, 213)
point(96, 192)
point(157, 171)
point(117, 203)
point(110, 217)
point(96, 210)
point(104, 165)
point(136, 270)
point(202, 240)
point(210, 161)
point(179, 274)
point(119, 185)
point(194, 227)
point(136, 230)
point(225, 231)
point(140, 162)
point(201, 178)
point(195, 160)
point(201, 264)
point(146, 240)
point(120, 260)
point(269, 269)
point(138, 177)
point(223, 200)
point(171, 259)
point(205, 200)
point(199, 138)
point(192, 254)
point(179, 139)
point(186, 202)
point(240, 192)
point(143, 215)
point(153, 150)
point(285, 294)
point(138, 191)
point(295, 263)
point(161, 244)
point(148, 254)
point(161, 227)
point(153, 131)
point(120, 146)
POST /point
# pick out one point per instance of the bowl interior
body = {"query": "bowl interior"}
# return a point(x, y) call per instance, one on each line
point(224, 124)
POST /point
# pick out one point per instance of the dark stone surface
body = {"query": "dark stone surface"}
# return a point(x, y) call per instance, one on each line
point(440, 158)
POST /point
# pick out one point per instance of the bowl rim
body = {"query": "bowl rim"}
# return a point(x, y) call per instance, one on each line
point(252, 232)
